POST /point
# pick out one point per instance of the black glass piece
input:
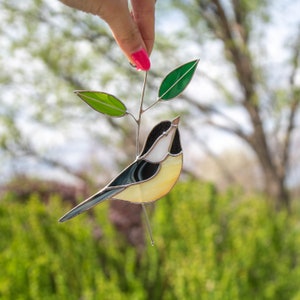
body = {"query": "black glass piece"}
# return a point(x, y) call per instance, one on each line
point(176, 145)
point(145, 170)
point(140, 170)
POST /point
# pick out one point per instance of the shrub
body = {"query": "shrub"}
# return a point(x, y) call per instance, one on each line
point(208, 246)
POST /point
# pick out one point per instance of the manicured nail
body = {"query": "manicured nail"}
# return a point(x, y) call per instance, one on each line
point(141, 60)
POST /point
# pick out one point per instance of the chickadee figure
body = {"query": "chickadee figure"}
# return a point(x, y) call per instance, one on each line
point(150, 177)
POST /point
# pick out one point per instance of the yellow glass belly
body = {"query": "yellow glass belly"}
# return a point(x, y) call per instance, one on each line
point(156, 187)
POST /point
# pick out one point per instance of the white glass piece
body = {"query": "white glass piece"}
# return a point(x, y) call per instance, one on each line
point(160, 149)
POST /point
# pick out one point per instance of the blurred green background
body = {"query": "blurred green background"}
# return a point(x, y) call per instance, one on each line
point(230, 229)
point(217, 246)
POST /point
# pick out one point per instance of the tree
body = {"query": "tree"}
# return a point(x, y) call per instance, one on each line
point(271, 109)
point(64, 47)
point(50, 50)
point(41, 65)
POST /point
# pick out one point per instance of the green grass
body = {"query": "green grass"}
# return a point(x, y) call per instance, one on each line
point(208, 246)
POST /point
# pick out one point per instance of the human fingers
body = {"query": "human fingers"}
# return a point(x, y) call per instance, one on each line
point(90, 6)
point(126, 32)
point(144, 16)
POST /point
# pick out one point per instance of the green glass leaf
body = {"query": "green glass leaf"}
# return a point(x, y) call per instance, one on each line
point(104, 103)
point(177, 80)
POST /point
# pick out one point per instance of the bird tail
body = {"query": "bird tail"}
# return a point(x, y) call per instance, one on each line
point(90, 202)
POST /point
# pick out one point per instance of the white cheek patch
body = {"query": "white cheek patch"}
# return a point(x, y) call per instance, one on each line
point(161, 148)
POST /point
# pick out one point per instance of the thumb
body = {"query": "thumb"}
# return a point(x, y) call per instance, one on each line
point(127, 34)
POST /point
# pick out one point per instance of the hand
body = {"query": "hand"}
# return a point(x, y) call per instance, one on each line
point(133, 31)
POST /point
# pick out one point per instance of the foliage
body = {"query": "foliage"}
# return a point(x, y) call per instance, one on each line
point(177, 80)
point(208, 246)
point(172, 86)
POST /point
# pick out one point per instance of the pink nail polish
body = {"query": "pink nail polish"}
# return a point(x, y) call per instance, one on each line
point(141, 60)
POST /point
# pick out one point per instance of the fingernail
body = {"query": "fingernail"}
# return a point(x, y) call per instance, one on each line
point(141, 60)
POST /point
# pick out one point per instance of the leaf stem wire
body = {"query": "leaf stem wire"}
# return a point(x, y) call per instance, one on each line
point(140, 112)
point(138, 121)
